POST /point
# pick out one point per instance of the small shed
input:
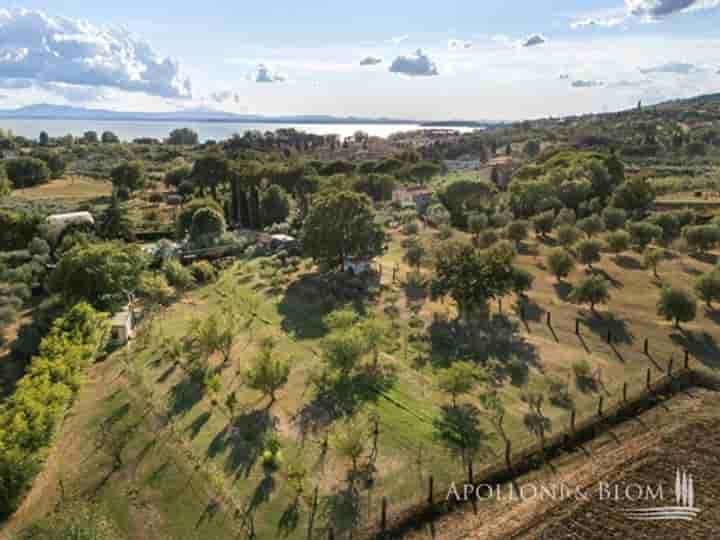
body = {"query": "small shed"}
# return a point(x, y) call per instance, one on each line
point(122, 327)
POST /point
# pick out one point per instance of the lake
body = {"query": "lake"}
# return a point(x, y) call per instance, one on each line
point(129, 130)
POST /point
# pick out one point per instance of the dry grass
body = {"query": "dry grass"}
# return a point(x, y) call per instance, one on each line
point(71, 189)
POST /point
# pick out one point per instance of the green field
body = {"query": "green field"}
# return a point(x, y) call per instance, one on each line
point(186, 469)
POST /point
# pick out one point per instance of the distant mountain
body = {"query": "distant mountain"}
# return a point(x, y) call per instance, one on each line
point(63, 112)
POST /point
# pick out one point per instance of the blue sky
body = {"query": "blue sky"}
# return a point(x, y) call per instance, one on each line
point(490, 59)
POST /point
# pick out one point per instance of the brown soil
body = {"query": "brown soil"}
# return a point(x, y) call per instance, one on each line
point(682, 432)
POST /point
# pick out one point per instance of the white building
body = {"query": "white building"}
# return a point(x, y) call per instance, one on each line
point(122, 327)
point(461, 165)
point(63, 220)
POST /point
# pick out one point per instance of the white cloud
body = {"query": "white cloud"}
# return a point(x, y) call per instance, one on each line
point(586, 83)
point(225, 96)
point(263, 74)
point(415, 65)
point(678, 68)
point(457, 44)
point(371, 61)
point(652, 9)
point(533, 40)
point(43, 49)
point(397, 40)
point(643, 10)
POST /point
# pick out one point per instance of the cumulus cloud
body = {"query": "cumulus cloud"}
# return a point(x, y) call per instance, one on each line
point(76, 93)
point(38, 48)
point(225, 96)
point(586, 83)
point(371, 61)
point(533, 40)
point(263, 74)
point(652, 9)
point(642, 10)
point(457, 44)
point(678, 68)
point(415, 65)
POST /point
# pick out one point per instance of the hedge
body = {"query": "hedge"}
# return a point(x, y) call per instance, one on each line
point(29, 418)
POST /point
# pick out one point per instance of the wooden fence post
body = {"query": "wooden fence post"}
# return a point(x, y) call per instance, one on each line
point(331, 534)
point(499, 305)
point(470, 472)
point(600, 405)
point(431, 489)
point(687, 359)
point(549, 319)
point(648, 379)
point(646, 346)
point(609, 336)
point(624, 391)
point(383, 515)
point(670, 366)
point(508, 454)
point(522, 312)
point(577, 327)
point(572, 420)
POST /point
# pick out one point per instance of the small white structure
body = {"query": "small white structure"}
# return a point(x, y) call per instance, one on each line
point(278, 241)
point(71, 218)
point(460, 165)
point(122, 328)
point(357, 266)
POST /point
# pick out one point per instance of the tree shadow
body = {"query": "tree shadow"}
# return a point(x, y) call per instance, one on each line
point(701, 345)
point(563, 289)
point(290, 519)
point(497, 338)
point(607, 277)
point(337, 396)
point(459, 429)
point(244, 439)
point(340, 511)
point(262, 492)
point(196, 426)
point(618, 328)
point(707, 258)
point(713, 314)
point(185, 394)
point(628, 263)
point(165, 375)
point(528, 309)
point(308, 299)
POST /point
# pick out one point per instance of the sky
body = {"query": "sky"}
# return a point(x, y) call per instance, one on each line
point(475, 60)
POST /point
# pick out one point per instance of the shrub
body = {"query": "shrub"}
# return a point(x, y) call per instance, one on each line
point(702, 238)
point(203, 272)
point(618, 241)
point(560, 263)
point(643, 233)
point(584, 378)
point(614, 218)
point(588, 251)
point(567, 235)
point(177, 275)
point(559, 393)
point(207, 227)
point(30, 416)
point(27, 172)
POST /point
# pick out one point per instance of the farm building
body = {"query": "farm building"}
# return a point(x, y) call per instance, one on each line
point(71, 218)
point(122, 327)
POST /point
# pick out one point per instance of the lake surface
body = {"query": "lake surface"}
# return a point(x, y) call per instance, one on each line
point(129, 130)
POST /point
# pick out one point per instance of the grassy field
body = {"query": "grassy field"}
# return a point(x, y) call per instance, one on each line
point(68, 189)
point(143, 396)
